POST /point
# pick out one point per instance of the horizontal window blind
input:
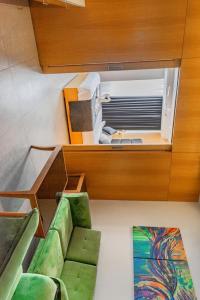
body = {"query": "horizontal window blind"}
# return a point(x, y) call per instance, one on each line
point(133, 113)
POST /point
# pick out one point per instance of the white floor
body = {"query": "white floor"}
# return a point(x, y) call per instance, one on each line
point(115, 219)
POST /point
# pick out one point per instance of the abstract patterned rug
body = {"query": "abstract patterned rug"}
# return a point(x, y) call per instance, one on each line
point(161, 271)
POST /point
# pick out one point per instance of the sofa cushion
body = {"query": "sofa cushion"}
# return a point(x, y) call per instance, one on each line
point(80, 280)
point(109, 130)
point(62, 222)
point(48, 259)
point(35, 287)
point(16, 235)
point(84, 246)
point(80, 209)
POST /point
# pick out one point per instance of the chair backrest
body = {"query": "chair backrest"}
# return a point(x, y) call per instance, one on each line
point(35, 286)
point(80, 209)
point(62, 223)
point(48, 259)
point(16, 235)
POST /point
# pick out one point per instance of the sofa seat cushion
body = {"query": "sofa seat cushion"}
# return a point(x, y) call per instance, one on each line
point(35, 287)
point(48, 259)
point(84, 246)
point(62, 222)
point(80, 280)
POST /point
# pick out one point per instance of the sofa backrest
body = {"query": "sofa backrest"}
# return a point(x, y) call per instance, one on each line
point(16, 235)
point(73, 210)
point(62, 223)
point(48, 259)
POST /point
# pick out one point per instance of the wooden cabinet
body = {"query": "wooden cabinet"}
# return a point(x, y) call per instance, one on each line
point(108, 32)
point(121, 175)
point(63, 3)
point(187, 122)
point(134, 175)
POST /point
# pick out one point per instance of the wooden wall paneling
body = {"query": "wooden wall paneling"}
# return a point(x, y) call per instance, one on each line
point(109, 32)
point(192, 32)
point(185, 177)
point(187, 122)
point(122, 175)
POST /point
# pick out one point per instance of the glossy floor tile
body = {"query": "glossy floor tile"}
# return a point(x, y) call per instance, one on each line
point(116, 218)
point(32, 109)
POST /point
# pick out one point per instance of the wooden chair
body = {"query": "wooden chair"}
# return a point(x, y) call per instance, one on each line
point(53, 178)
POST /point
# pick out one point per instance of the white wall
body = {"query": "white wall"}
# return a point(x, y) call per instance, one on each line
point(132, 75)
point(31, 103)
point(130, 88)
point(169, 102)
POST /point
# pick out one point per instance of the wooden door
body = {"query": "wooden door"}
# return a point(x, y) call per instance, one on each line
point(108, 32)
point(121, 175)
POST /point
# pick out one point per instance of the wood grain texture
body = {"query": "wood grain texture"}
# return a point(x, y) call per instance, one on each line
point(109, 32)
point(122, 175)
point(185, 177)
point(192, 32)
point(187, 122)
point(55, 179)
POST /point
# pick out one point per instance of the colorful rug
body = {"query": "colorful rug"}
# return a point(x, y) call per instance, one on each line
point(161, 271)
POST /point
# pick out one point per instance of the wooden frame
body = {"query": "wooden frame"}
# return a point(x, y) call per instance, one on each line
point(76, 183)
point(12, 214)
point(71, 95)
point(44, 185)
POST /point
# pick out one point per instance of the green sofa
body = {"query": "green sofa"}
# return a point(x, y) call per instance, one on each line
point(68, 254)
point(16, 234)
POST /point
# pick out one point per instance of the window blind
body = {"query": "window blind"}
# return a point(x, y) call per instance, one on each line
point(133, 113)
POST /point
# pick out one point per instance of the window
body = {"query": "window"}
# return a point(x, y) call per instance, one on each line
point(134, 113)
point(142, 103)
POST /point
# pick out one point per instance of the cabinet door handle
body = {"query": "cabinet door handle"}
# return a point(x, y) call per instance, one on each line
point(117, 147)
